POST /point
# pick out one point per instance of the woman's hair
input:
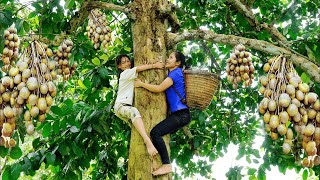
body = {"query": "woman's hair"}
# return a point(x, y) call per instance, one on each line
point(180, 58)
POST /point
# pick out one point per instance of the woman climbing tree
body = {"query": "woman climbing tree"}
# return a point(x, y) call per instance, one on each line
point(180, 114)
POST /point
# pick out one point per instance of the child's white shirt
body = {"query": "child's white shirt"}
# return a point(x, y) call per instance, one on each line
point(126, 86)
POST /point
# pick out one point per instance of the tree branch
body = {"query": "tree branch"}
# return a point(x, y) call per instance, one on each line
point(309, 67)
point(270, 28)
point(87, 6)
point(253, 20)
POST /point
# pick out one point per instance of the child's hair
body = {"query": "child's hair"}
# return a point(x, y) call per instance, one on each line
point(118, 61)
point(180, 58)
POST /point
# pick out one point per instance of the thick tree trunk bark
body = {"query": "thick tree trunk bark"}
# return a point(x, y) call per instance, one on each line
point(149, 46)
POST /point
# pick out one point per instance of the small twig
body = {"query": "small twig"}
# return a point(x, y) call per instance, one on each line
point(116, 19)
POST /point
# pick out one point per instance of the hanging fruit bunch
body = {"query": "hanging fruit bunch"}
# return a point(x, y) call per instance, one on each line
point(98, 30)
point(11, 49)
point(290, 110)
point(61, 56)
point(239, 67)
point(30, 82)
point(9, 110)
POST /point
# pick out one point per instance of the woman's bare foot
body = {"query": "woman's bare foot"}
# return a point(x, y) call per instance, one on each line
point(151, 149)
point(164, 169)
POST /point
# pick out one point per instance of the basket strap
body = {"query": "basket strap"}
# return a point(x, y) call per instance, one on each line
point(183, 100)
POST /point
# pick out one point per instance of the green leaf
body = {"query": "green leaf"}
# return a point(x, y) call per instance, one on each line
point(56, 17)
point(241, 153)
point(69, 4)
point(261, 174)
point(36, 143)
point(82, 86)
point(255, 152)
point(104, 57)
point(15, 171)
point(19, 26)
point(96, 80)
point(288, 123)
point(71, 175)
point(3, 151)
point(46, 26)
point(46, 132)
point(202, 118)
point(255, 161)
point(196, 142)
point(76, 149)
point(305, 174)
point(56, 127)
point(16, 152)
point(103, 72)
point(248, 159)
point(6, 173)
point(251, 171)
point(118, 42)
point(128, 49)
point(69, 103)
point(56, 110)
point(305, 78)
point(26, 26)
point(50, 158)
point(96, 61)
point(37, 5)
point(64, 149)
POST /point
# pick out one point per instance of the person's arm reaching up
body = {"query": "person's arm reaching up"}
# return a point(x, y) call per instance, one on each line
point(158, 65)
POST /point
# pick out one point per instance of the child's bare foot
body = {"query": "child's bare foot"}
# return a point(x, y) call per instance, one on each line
point(164, 169)
point(151, 149)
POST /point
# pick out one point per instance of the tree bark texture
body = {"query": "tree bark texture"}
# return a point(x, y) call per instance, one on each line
point(149, 46)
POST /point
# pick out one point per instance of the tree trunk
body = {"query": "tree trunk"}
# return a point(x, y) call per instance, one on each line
point(149, 46)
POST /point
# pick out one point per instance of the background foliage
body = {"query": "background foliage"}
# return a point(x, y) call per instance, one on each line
point(82, 137)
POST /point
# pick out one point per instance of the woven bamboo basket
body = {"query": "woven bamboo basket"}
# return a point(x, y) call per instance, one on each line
point(200, 87)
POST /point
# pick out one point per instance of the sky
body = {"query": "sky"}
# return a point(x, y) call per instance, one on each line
point(221, 165)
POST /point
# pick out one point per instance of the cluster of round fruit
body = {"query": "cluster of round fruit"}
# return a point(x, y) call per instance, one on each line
point(239, 67)
point(290, 109)
point(11, 49)
point(58, 39)
point(61, 56)
point(98, 30)
point(29, 82)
